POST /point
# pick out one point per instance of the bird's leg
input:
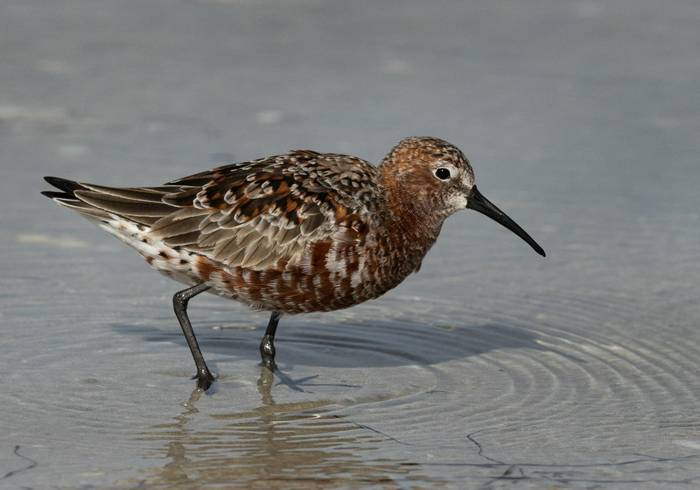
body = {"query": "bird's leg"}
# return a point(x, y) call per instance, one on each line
point(267, 344)
point(204, 376)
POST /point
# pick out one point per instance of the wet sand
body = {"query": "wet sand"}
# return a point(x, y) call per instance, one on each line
point(491, 368)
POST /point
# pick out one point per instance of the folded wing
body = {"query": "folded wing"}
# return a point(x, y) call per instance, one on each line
point(257, 215)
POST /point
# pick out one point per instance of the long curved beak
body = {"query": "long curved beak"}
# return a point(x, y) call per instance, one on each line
point(478, 202)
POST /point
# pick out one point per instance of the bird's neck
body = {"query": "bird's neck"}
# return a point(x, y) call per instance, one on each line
point(412, 213)
point(412, 223)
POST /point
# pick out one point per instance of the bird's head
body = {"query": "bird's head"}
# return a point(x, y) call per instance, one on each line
point(434, 178)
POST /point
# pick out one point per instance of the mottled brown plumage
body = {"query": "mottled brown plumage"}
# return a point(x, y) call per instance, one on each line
point(292, 233)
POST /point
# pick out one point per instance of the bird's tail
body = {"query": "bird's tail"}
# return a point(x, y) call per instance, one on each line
point(142, 205)
point(67, 198)
point(125, 212)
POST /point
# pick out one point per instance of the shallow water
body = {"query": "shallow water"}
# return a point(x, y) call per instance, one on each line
point(491, 368)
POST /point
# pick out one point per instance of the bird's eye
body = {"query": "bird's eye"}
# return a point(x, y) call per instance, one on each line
point(442, 173)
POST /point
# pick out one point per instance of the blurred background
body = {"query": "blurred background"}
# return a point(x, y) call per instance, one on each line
point(581, 119)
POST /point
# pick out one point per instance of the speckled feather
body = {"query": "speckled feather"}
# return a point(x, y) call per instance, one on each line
point(298, 232)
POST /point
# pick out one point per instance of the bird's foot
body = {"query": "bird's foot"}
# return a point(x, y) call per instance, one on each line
point(267, 352)
point(204, 379)
point(269, 364)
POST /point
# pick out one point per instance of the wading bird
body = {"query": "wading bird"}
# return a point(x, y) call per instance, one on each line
point(292, 233)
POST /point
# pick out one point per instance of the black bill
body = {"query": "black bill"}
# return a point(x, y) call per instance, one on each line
point(478, 202)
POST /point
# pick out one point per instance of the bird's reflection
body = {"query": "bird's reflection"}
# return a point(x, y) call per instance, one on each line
point(285, 445)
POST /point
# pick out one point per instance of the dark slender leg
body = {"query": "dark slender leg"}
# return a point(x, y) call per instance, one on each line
point(267, 345)
point(204, 376)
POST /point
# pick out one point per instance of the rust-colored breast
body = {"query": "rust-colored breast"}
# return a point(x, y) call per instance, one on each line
point(334, 273)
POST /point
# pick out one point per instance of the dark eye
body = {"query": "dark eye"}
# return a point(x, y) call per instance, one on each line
point(442, 173)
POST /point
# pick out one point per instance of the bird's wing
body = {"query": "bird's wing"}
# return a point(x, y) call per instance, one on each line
point(258, 215)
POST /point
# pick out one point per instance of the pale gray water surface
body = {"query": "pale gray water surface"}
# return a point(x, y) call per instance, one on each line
point(491, 368)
